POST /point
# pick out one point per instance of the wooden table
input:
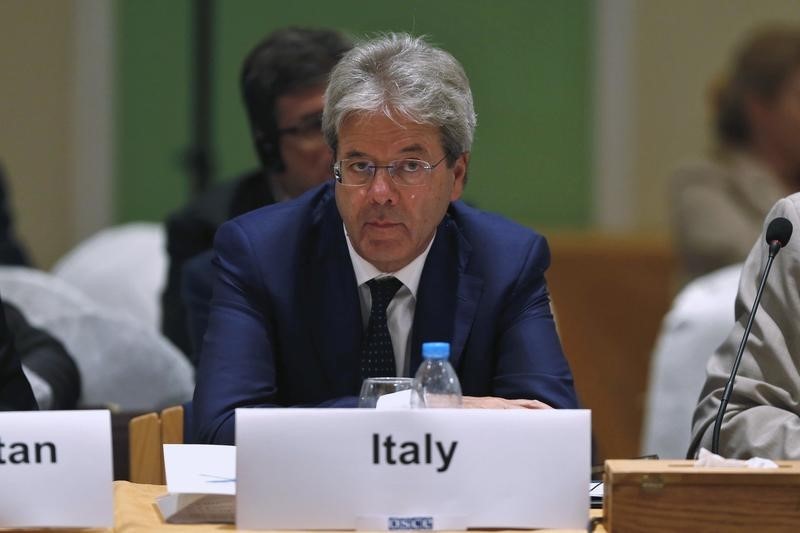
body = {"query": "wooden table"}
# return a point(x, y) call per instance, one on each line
point(135, 511)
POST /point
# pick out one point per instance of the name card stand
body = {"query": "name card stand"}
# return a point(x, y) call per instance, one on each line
point(411, 469)
point(56, 469)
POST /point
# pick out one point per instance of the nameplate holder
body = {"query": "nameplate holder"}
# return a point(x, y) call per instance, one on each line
point(56, 469)
point(405, 470)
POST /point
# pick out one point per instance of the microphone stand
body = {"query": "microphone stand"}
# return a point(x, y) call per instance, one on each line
point(774, 248)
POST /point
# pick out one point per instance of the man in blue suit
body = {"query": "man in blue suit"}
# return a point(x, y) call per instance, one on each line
point(348, 280)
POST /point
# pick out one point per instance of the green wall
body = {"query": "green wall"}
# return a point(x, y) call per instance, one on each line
point(528, 62)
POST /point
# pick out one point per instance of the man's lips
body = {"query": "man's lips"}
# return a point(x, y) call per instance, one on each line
point(381, 224)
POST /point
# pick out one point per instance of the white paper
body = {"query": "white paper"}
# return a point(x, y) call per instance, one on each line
point(395, 400)
point(200, 469)
point(707, 458)
point(335, 468)
point(64, 482)
point(201, 481)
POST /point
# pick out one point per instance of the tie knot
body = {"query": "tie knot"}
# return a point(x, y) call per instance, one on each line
point(383, 290)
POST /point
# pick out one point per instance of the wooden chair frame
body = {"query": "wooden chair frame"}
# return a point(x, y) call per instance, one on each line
point(147, 435)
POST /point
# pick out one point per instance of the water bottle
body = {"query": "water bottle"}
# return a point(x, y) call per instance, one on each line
point(436, 383)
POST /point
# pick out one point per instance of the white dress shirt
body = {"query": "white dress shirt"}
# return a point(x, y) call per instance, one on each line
point(400, 313)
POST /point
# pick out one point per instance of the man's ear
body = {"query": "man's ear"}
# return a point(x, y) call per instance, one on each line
point(459, 176)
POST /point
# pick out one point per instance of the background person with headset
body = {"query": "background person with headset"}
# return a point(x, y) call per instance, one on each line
point(283, 81)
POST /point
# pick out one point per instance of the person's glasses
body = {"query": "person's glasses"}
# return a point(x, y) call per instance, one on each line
point(307, 128)
point(406, 172)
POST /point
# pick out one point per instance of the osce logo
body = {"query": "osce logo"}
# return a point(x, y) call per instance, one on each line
point(410, 522)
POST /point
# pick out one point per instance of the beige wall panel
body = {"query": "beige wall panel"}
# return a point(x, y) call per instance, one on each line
point(36, 96)
point(679, 45)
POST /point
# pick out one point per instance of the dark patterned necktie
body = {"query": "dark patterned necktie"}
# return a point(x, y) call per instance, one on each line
point(377, 354)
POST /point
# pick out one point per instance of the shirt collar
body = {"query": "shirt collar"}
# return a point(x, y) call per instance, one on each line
point(409, 275)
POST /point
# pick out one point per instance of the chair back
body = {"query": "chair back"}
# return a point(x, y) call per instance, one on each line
point(609, 296)
point(123, 362)
point(147, 434)
point(123, 268)
point(701, 318)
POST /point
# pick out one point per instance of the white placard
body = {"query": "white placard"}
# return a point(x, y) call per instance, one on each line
point(56, 469)
point(200, 469)
point(427, 468)
point(201, 484)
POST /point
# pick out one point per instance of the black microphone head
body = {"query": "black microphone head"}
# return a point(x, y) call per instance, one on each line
point(780, 231)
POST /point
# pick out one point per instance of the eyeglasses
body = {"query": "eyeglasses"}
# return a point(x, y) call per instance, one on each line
point(405, 172)
point(307, 128)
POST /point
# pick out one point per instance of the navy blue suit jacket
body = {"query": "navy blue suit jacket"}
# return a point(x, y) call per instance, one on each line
point(197, 280)
point(285, 325)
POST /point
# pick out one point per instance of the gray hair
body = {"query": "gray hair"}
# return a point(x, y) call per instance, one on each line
point(400, 75)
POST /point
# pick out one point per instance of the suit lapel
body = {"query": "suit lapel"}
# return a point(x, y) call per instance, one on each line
point(333, 305)
point(447, 298)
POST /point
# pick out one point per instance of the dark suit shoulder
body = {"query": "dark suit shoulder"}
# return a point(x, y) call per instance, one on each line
point(225, 200)
point(191, 230)
point(495, 241)
point(277, 225)
point(271, 248)
point(483, 224)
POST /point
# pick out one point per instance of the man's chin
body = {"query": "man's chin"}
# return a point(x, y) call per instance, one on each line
point(387, 255)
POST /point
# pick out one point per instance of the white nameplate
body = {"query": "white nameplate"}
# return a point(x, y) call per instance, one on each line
point(56, 469)
point(413, 469)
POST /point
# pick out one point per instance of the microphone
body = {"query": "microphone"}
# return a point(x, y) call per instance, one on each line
point(778, 233)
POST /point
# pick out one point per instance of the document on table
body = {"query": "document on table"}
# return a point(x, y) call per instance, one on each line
point(596, 494)
point(201, 484)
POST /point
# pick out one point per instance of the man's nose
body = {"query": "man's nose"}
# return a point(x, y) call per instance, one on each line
point(382, 188)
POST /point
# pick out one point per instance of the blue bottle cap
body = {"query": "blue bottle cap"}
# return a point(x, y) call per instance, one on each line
point(435, 350)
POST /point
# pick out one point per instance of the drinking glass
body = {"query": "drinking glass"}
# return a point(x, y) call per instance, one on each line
point(374, 388)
